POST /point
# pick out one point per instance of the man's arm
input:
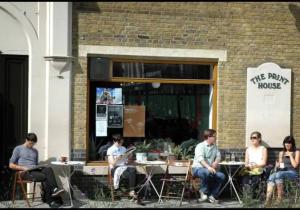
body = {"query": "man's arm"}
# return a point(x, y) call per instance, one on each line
point(17, 167)
point(200, 154)
point(14, 159)
point(217, 160)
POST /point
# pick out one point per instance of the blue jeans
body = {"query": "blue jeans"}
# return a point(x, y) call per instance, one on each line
point(210, 183)
point(279, 176)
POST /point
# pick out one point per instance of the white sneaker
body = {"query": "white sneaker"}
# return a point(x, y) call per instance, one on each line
point(203, 197)
point(212, 199)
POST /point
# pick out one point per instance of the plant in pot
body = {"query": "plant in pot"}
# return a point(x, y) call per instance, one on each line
point(141, 151)
point(175, 153)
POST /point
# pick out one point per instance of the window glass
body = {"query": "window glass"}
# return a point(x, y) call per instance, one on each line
point(173, 111)
point(161, 70)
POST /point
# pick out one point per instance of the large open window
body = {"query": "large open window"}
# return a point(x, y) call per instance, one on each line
point(171, 100)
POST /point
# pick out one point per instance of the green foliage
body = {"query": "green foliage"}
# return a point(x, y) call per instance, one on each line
point(185, 153)
point(102, 199)
point(143, 147)
point(290, 200)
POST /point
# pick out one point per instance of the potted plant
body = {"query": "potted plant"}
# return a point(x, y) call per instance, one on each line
point(141, 151)
point(175, 153)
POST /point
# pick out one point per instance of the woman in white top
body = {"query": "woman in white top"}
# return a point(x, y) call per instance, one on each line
point(255, 160)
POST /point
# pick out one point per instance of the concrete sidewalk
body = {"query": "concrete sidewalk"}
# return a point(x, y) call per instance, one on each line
point(126, 203)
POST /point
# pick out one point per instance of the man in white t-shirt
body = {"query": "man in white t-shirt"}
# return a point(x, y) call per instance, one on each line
point(119, 165)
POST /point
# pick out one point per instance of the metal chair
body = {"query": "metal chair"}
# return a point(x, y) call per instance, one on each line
point(18, 180)
point(171, 179)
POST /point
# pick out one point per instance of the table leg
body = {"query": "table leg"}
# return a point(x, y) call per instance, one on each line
point(67, 176)
point(148, 182)
point(230, 180)
point(236, 193)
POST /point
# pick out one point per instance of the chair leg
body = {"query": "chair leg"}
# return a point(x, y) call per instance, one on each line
point(33, 195)
point(183, 189)
point(24, 193)
point(112, 193)
point(14, 189)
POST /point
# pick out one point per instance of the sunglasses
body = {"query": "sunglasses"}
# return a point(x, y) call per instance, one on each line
point(253, 137)
point(211, 135)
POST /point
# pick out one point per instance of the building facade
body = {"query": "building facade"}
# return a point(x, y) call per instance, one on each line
point(219, 39)
point(231, 36)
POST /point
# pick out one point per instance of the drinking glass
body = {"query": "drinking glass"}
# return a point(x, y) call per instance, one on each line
point(227, 157)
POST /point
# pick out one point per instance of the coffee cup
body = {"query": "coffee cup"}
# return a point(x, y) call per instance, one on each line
point(63, 159)
point(281, 165)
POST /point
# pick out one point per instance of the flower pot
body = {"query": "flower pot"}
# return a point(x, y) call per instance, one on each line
point(141, 157)
point(171, 157)
point(153, 155)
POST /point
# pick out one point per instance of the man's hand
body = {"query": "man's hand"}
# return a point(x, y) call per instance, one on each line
point(120, 157)
point(212, 170)
point(214, 165)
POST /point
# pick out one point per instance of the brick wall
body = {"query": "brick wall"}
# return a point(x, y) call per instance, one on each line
point(252, 33)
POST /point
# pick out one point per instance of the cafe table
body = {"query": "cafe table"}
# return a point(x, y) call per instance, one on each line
point(67, 174)
point(148, 167)
point(228, 166)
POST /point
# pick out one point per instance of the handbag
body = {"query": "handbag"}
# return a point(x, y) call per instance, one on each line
point(254, 172)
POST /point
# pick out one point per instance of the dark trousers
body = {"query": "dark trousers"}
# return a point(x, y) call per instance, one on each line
point(47, 177)
point(251, 184)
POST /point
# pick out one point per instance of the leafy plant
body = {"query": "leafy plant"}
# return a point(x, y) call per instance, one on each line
point(176, 151)
point(143, 147)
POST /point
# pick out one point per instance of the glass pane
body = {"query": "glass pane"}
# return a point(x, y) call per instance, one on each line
point(161, 70)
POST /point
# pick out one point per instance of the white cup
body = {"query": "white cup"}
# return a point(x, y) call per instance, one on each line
point(281, 165)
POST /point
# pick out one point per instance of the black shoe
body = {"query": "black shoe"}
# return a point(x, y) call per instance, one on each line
point(54, 204)
point(56, 192)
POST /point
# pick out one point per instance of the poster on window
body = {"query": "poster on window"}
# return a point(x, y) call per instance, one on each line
point(134, 121)
point(101, 120)
point(108, 95)
point(115, 116)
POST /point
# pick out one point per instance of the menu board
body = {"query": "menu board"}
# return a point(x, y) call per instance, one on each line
point(115, 116)
point(134, 121)
point(101, 120)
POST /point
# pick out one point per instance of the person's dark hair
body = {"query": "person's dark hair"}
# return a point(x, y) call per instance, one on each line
point(258, 135)
point(31, 137)
point(289, 139)
point(208, 132)
point(116, 137)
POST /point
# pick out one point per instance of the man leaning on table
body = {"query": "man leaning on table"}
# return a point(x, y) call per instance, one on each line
point(206, 166)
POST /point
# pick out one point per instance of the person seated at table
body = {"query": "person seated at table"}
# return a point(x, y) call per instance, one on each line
point(255, 161)
point(25, 158)
point(289, 159)
point(205, 165)
point(120, 166)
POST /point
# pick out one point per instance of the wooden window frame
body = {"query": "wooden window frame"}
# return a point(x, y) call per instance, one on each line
point(212, 81)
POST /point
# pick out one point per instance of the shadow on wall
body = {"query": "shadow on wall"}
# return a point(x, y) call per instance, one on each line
point(295, 10)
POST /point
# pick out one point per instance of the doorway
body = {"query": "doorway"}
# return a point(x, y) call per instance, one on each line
point(13, 103)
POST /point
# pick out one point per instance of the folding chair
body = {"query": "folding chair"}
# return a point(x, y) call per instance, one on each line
point(18, 180)
point(110, 182)
point(171, 179)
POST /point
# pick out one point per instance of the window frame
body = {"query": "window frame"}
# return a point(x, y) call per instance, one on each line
point(212, 82)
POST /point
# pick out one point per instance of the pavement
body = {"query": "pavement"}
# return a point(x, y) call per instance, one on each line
point(126, 203)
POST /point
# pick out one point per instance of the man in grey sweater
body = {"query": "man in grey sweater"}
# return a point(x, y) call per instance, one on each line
point(25, 158)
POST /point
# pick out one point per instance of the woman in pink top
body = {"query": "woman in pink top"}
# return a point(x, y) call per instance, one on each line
point(255, 160)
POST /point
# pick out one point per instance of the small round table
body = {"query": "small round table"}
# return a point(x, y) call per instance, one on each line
point(67, 173)
point(149, 173)
point(228, 166)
